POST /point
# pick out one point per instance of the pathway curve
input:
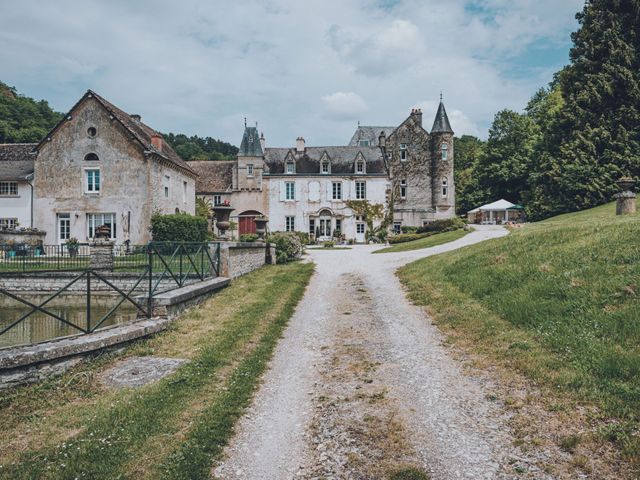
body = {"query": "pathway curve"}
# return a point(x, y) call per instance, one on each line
point(361, 383)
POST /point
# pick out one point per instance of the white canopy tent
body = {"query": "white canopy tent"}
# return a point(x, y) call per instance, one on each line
point(495, 212)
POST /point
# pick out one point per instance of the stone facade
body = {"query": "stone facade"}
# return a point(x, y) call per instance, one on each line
point(139, 174)
point(238, 258)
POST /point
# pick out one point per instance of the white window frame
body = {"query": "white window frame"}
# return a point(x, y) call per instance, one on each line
point(66, 234)
point(444, 151)
point(250, 170)
point(445, 187)
point(325, 167)
point(96, 219)
point(289, 191)
point(364, 143)
point(8, 189)
point(403, 189)
point(360, 226)
point(90, 172)
point(8, 223)
point(217, 200)
point(336, 190)
point(403, 152)
point(360, 166)
point(397, 228)
point(312, 226)
point(290, 167)
point(166, 183)
point(290, 223)
point(361, 190)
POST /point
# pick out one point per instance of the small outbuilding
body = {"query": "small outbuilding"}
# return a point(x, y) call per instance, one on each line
point(497, 213)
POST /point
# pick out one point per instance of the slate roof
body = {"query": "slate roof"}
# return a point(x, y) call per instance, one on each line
point(342, 160)
point(441, 123)
point(16, 160)
point(213, 176)
point(370, 133)
point(250, 145)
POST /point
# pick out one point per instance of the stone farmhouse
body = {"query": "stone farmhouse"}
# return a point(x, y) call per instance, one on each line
point(100, 165)
point(16, 185)
point(306, 189)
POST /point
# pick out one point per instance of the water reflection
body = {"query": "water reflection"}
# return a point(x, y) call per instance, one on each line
point(39, 327)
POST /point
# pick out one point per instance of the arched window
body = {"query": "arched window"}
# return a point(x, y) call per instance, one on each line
point(443, 150)
point(91, 157)
point(445, 187)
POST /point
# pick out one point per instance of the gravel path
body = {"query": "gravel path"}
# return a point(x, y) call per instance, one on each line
point(361, 384)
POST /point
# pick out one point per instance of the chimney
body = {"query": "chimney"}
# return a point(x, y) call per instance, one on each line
point(417, 114)
point(136, 118)
point(263, 142)
point(156, 141)
point(300, 145)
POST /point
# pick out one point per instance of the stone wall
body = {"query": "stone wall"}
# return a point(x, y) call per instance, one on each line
point(237, 258)
point(42, 282)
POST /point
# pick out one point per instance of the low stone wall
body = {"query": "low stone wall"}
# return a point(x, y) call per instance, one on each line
point(41, 282)
point(239, 258)
point(30, 237)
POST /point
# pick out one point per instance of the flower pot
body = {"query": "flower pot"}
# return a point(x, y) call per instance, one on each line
point(261, 226)
point(222, 214)
point(626, 184)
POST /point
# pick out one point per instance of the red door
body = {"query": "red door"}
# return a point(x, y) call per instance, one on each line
point(246, 225)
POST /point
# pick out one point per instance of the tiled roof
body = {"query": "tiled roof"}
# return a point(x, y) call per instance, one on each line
point(342, 159)
point(213, 176)
point(16, 160)
point(143, 133)
point(250, 145)
point(369, 133)
point(441, 123)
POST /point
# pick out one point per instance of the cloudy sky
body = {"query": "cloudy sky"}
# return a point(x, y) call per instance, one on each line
point(303, 67)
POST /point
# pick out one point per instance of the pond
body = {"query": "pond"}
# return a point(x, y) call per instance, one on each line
point(40, 327)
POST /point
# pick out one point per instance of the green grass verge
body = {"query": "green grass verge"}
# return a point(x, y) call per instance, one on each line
point(556, 300)
point(329, 248)
point(106, 446)
point(432, 241)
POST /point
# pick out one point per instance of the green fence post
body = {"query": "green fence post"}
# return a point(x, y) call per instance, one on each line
point(88, 301)
point(150, 268)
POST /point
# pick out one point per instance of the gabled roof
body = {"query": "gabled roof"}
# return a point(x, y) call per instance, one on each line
point(16, 160)
point(342, 159)
point(213, 176)
point(141, 132)
point(441, 123)
point(370, 133)
point(250, 145)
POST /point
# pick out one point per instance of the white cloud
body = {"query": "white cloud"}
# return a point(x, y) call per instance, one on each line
point(199, 67)
point(344, 105)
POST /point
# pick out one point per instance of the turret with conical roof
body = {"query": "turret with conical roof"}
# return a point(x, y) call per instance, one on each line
point(441, 123)
point(250, 145)
point(250, 162)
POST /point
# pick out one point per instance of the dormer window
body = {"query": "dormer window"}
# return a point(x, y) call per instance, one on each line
point(324, 167)
point(360, 166)
point(444, 150)
point(445, 187)
point(403, 152)
point(364, 143)
point(91, 157)
point(290, 168)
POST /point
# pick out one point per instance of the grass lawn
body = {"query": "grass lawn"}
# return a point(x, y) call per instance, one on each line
point(72, 427)
point(557, 301)
point(432, 241)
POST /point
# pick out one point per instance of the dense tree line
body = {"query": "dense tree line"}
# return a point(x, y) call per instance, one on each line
point(576, 136)
point(200, 148)
point(23, 119)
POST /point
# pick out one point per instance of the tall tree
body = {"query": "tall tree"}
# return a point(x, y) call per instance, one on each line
point(468, 150)
point(505, 166)
point(595, 137)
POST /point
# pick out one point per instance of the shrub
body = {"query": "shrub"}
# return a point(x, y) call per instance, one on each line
point(178, 227)
point(445, 225)
point(407, 237)
point(329, 244)
point(248, 237)
point(409, 229)
point(288, 246)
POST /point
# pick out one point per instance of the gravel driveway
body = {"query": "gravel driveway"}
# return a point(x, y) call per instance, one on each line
point(362, 384)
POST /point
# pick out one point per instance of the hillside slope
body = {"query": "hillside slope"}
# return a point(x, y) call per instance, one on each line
point(557, 301)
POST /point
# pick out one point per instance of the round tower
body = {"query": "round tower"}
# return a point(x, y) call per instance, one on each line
point(442, 186)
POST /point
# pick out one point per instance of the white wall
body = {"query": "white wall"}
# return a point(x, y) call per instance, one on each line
point(18, 207)
point(313, 194)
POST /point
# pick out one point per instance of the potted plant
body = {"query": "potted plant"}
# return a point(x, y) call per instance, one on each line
point(222, 213)
point(261, 226)
point(72, 246)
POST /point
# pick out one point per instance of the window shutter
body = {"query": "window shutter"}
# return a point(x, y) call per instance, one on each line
point(329, 191)
point(345, 190)
point(282, 192)
point(297, 191)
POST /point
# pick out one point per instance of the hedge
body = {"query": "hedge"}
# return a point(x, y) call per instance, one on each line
point(178, 227)
point(288, 246)
point(407, 237)
point(445, 225)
